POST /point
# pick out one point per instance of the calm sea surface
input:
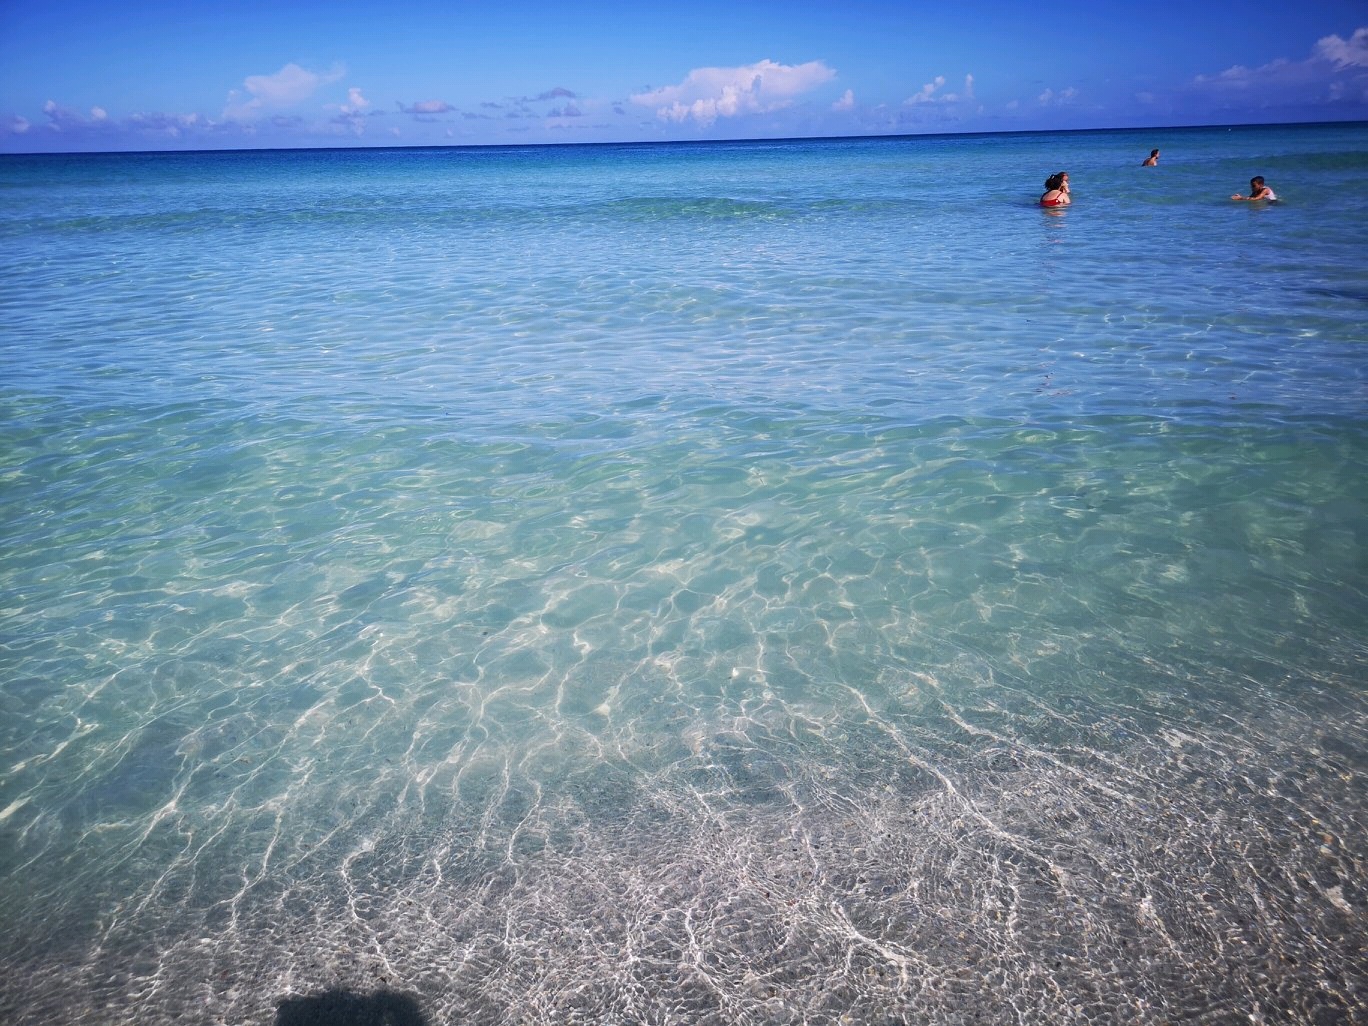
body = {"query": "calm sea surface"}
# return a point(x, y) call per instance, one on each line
point(796, 582)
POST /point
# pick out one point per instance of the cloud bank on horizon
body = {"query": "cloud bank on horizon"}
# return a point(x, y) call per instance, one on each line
point(299, 104)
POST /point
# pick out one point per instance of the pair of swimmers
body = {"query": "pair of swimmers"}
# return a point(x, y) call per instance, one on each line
point(1057, 188)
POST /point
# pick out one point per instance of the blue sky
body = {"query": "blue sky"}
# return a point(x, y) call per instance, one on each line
point(155, 74)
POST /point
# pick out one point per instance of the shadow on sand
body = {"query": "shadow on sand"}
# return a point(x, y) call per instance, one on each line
point(346, 1008)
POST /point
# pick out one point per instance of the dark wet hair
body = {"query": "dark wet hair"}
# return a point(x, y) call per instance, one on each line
point(1256, 180)
point(1055, 180)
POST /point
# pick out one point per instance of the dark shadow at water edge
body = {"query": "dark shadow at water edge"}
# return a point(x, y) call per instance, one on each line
point(347, 1008)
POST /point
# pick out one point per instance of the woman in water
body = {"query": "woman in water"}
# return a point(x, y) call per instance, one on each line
point(1056, 190)
point(1257, 190)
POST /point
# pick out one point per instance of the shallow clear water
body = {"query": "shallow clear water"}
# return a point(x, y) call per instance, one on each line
point(792, 582)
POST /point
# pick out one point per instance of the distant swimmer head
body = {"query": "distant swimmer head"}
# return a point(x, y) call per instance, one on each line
point(1056, 180)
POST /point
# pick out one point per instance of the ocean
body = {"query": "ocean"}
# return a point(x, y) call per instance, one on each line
point(795, 582)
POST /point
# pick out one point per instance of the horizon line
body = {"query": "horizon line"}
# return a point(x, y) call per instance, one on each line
point(740, 141)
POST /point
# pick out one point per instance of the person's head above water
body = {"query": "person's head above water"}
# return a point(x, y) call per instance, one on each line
point(1056, 180)
point(1257, 191)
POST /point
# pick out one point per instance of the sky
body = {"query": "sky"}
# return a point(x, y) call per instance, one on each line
point(78, 75)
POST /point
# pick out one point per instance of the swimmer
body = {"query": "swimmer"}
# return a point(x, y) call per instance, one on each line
point(1056, 190)
point(1152, 160)
point(1257, 191)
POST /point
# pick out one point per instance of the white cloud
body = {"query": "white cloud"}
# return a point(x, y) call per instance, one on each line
point(428, 107)
point(173, 125)
point(1334, 66)
point(846, 102)
point(927, 91)
point(930, 93)
point(75, 125)
point(1050, 98)
point(288, 86)
point(1345, 53)
point(707, 94)
point(61, 118)
point(352, 114)
point(19, 124)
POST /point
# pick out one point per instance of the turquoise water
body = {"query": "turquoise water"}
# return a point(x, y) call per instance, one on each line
point(795, 582)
